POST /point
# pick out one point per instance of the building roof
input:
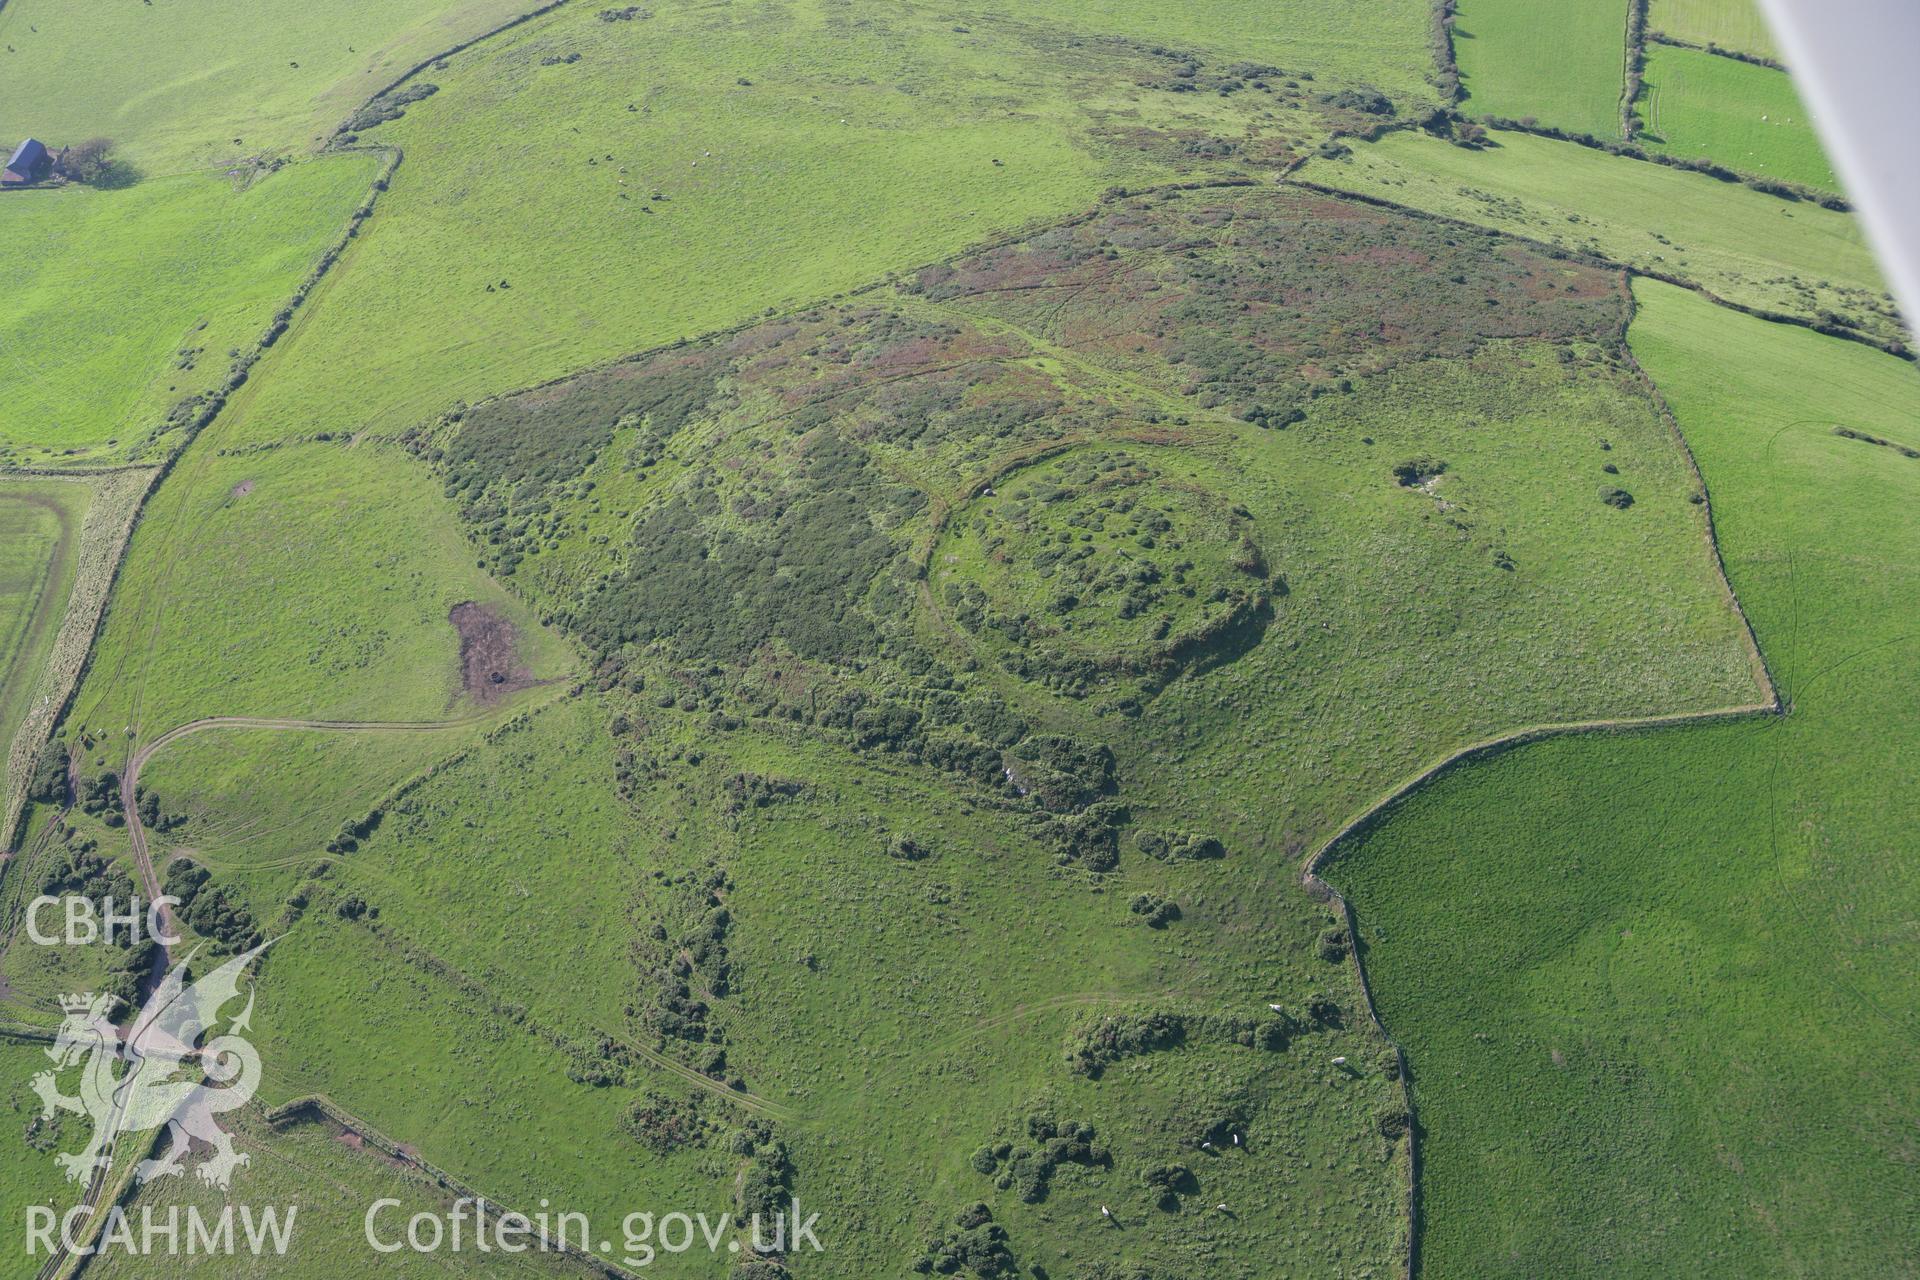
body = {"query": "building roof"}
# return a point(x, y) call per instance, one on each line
point(28, 157)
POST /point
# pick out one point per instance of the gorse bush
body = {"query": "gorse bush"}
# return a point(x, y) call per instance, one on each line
point(212, 910)
point(980, 1247)
point(1119, 1036)
point(1029, 1167)
point(100, 798)
point(1061, 773)
point(1155, 911)
point(388, 106)
point(48, 784)
point(665, 1124)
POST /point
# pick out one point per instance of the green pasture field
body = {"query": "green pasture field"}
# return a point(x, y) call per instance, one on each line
point(311, 581)
point(330, 1178)
point(1340, 702)
point(182, 85)
point(418, 1057)
point(1748, 247)
point(125, 303)
point(962, 977)
point(1567, 70)
point(40, 521)
point(1744, 116)
point(1731, 24)
point(39, 974)
point(752, 123)
point(1658, 1014)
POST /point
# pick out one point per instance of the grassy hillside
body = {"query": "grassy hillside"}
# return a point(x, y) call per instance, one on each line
point(639, 181)
point(125, 306)
point(861, 868)
point(312, 581)
point(195, 84)
point(1731, 24)
point(1746, 117)
point(1568, 71)
point(1751, 248)
point(1656, 1014)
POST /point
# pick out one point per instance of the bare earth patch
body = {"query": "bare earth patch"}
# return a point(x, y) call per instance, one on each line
point(490, 663)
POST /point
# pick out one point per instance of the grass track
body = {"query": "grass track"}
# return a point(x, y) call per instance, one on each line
point(55, 644)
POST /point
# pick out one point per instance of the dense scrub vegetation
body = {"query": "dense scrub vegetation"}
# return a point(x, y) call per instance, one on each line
point(755, 493)
point(1260, 303)
point(1027, 1167)
point(1116, 1037)
point(213, 910)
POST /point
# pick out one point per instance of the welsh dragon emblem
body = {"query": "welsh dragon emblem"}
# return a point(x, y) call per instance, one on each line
point(157, 1073)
